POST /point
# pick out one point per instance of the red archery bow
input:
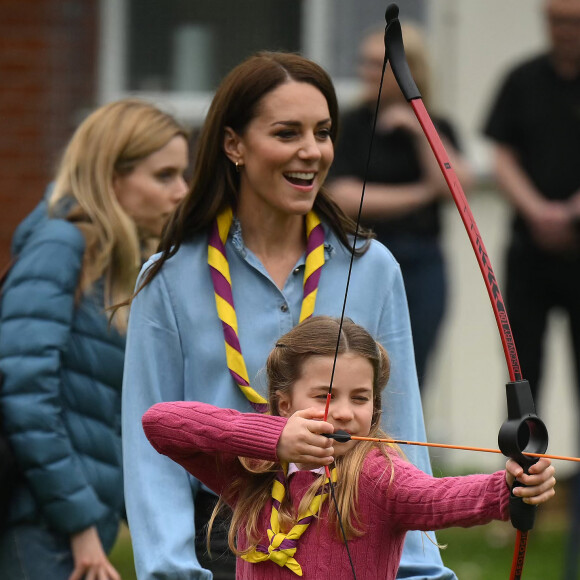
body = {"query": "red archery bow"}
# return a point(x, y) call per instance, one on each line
point(523, 432)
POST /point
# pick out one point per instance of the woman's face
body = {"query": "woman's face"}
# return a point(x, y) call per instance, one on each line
point(285, 152)
point(155, 186)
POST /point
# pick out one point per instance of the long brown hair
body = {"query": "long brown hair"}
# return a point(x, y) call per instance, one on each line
point(316, 336)
point(111, 141)
point(215, 183)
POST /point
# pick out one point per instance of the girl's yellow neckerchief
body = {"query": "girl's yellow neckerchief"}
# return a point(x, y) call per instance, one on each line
point(282, 547)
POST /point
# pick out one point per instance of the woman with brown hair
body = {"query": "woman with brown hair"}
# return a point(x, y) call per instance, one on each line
point(61, 357)
point(256, 247)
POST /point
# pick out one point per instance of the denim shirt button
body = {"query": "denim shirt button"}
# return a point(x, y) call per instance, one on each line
point(296, 270)
point(284, 307)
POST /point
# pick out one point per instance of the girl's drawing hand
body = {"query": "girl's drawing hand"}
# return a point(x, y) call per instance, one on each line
point(539, 482)
point(301, 440)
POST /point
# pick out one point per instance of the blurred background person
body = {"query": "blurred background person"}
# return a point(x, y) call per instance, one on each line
point(535, 125)
point(61, 358)
point(405, 188)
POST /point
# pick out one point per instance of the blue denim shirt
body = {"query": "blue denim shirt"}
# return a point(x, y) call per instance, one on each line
point(175, 351)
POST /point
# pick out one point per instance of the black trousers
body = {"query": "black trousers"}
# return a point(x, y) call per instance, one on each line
point(537, 283)
point(222, 561)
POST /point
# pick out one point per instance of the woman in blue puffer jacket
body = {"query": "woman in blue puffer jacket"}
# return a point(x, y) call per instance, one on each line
point(61, 359)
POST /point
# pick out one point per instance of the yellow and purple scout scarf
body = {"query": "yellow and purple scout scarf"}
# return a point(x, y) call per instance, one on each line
point(222, 284)
point(282, 547)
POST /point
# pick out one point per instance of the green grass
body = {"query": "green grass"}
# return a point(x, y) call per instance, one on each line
point(486, 552)
point(122, 555)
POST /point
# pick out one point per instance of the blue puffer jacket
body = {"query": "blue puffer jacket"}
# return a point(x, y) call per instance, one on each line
point(61, 397)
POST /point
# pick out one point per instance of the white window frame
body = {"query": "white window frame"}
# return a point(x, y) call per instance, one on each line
point(191, 107)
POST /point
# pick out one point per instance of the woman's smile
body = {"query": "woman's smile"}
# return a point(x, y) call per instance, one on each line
point(301, 179)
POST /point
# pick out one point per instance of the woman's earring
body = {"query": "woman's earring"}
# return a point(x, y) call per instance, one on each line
point(237, 166)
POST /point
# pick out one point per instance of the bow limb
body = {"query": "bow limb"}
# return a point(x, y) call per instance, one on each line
point(523, 431)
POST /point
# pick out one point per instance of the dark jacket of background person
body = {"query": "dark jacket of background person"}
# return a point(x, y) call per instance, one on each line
point(394, 160)
point(61, 352)
point(61, 396)
point(537, 114)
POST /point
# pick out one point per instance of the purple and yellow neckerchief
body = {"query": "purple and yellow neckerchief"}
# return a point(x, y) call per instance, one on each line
point(222, 284)
point(282, 547)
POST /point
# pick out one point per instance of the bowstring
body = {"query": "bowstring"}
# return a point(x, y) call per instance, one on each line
point(352, 254)
point(355, 238)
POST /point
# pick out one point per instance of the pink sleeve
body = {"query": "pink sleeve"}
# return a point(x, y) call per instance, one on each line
point(207, 440)
point(417, 501)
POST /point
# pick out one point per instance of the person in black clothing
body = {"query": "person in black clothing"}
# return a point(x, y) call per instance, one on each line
point(535, 125)
point(405, 188)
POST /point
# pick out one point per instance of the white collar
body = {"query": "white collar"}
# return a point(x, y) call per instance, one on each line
point(292, 468)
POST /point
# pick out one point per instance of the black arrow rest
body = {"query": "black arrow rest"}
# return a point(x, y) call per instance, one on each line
point(339, 435)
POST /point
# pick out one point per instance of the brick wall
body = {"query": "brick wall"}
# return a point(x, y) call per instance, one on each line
point(48, 52)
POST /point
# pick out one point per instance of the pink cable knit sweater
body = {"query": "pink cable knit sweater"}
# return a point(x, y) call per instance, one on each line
point(207, 440)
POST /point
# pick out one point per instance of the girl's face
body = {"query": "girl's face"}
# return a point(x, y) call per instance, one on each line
point(285, 152)
point(351, 405)
point(152, 190)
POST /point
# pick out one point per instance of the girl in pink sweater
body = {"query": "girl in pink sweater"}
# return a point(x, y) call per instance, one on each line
point(270, 469)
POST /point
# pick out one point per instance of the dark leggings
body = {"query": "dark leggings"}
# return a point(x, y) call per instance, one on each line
point(222, 561)
point(538, 283)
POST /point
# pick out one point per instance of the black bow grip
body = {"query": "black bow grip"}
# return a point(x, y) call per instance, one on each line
point(523, 431)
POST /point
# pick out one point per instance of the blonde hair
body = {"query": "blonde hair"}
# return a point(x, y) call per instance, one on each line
point(316, 336)
point(108, 143)
point(416, 53)
point(417, 58)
